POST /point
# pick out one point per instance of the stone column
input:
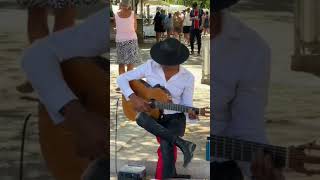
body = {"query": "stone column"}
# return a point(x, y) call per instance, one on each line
point(140, 29)
point(206, 60)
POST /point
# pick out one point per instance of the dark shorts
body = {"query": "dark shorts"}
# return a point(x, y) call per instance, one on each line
point(159, 29)
point(186, 29)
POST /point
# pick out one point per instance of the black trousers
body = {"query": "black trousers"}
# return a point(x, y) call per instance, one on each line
point(168, 128)
point(228, 170)
point(195, 33)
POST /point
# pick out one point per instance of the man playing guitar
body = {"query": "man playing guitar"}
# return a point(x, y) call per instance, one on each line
point(164, 69)
point(240, 77)
point(42, 65)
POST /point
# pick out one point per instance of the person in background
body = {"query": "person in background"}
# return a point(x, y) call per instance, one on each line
point(158, 26)
point(177, 25)
point(186, 26)
point(37, 27)
point(168, 24)
point(163, 17)
point(126, 37)
point(196, 27)
point(206, 23)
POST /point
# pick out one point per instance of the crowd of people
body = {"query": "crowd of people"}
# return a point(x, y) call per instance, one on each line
point(189, 24)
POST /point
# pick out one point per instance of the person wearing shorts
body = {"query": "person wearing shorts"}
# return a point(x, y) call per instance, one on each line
point(186, 26)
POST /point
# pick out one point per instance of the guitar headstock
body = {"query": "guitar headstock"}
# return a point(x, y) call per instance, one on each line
point(204, 111)
point(302, 155)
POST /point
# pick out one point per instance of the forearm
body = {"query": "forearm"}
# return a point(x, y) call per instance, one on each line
point(124, 79)
point(42, 68)
point(123, 83)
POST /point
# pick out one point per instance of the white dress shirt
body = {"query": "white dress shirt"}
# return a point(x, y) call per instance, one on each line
point(180, 86)
point(240, 77)
point(41, 62)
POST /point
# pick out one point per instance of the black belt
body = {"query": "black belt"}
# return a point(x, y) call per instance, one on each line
point(172, 116)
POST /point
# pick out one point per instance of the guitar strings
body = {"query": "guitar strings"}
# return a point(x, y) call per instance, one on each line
point(283, 152)
point(252, 144)
point(293, 156)
point(252, 148)
point(177, 107)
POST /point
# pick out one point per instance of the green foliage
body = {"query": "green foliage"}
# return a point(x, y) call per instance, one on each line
point(189, 3)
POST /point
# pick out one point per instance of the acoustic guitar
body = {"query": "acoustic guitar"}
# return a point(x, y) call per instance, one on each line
point(294, 157)
point(159, 99)
point(89, 80)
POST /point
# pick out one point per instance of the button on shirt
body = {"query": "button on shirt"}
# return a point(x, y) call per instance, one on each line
point(240, 77)
point(41, 62)
point(180, 86)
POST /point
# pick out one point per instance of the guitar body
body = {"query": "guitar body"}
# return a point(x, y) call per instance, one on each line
point(145, 91)
point(88, 79)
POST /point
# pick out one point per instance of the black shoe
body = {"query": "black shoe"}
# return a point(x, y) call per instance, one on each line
point(191, 53)
point(183, 176)
point(187, 149)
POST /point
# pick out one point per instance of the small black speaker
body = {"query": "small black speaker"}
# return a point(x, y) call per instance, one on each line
point(132, 172)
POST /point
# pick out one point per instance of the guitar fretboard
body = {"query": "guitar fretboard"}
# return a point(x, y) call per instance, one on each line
point(235, 149)
point(174, 107)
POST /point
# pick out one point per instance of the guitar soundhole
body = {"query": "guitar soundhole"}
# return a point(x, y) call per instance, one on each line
point(152, 103)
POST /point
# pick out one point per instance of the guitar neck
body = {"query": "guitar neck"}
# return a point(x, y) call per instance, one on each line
point(240, 150)
point(175, 107)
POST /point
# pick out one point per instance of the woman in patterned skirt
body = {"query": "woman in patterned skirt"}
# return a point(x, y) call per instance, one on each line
point(126, 37)
point(64, 16)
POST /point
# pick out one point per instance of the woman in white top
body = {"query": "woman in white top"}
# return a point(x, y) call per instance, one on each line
point(186, 26)
point(126, 37)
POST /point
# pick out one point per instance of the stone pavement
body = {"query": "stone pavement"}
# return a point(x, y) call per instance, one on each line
point(136, 146)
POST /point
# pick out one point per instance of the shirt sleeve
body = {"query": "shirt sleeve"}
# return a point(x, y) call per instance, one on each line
point(187, 95)
point(41, 62)
point(124, 79)
point(249, 104)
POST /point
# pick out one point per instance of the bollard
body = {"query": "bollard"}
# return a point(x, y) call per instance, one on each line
point(206, 60)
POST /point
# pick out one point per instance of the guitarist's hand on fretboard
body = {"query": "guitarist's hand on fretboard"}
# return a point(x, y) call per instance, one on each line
point(192, 115)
